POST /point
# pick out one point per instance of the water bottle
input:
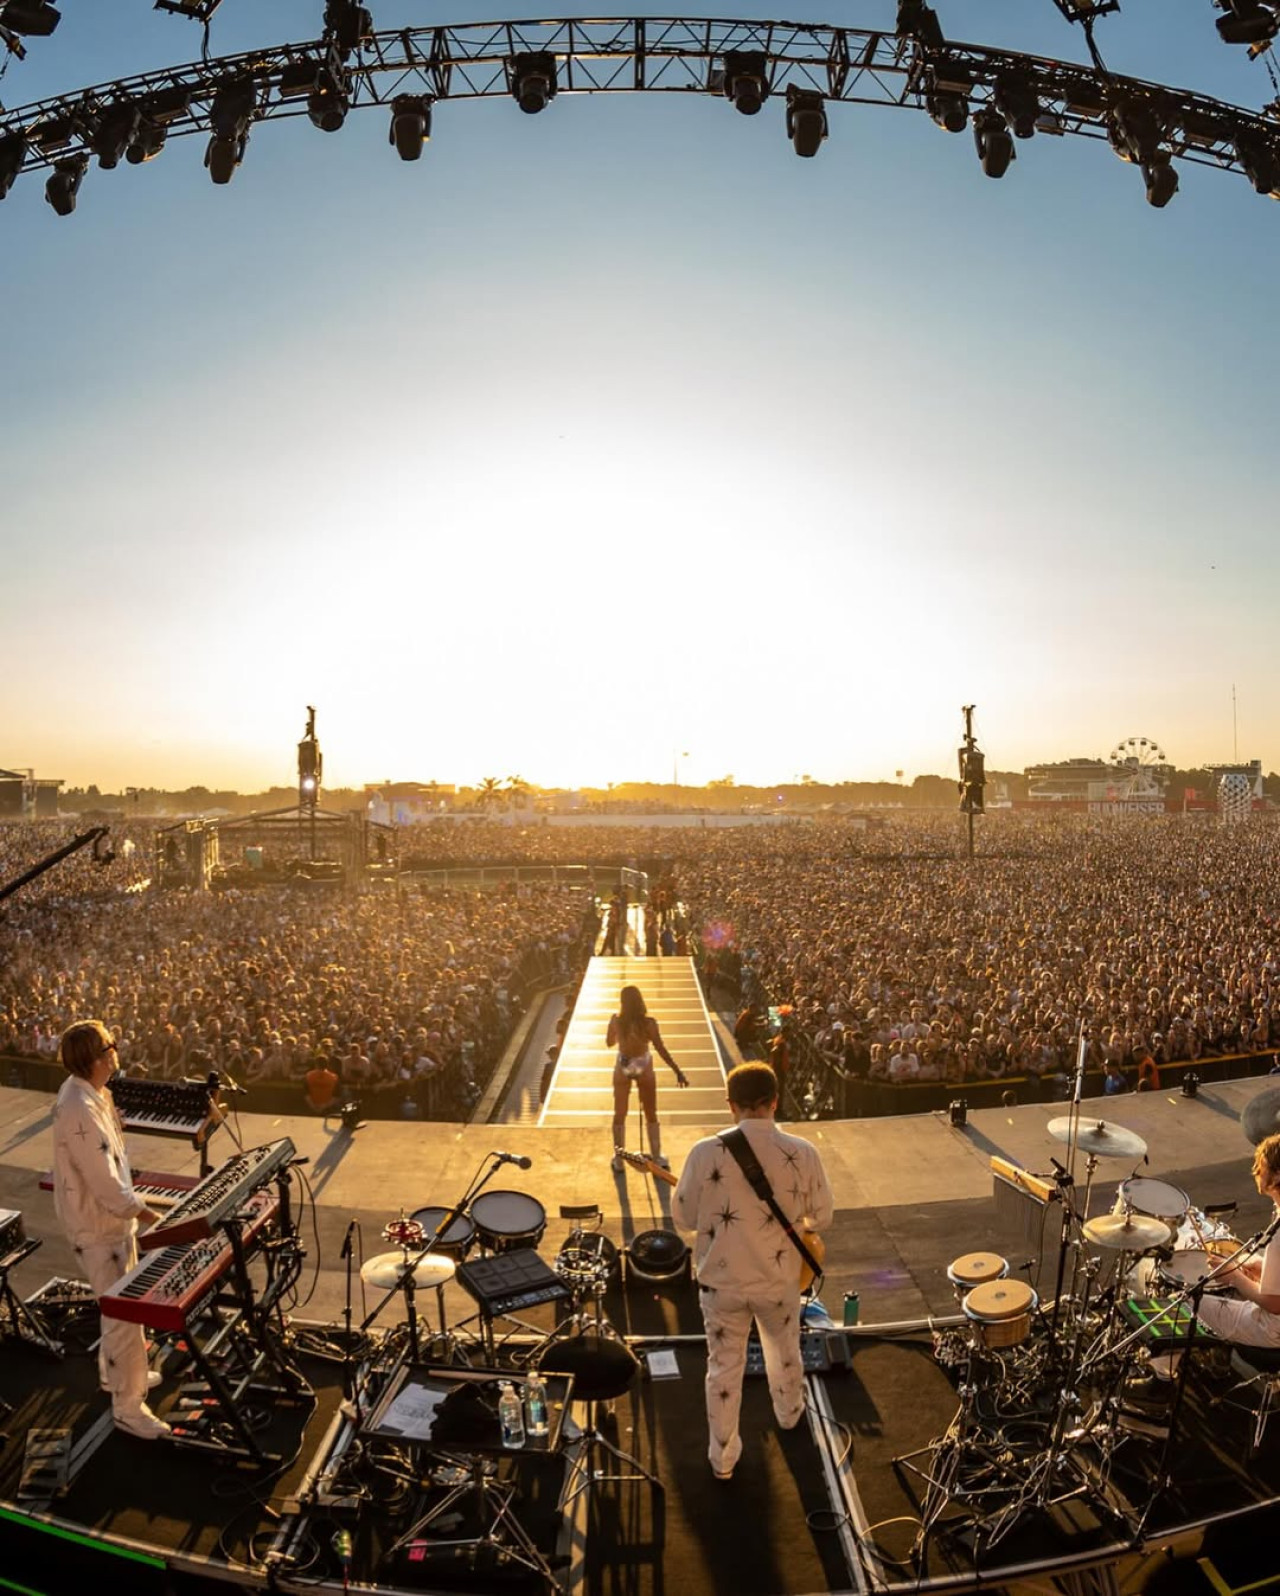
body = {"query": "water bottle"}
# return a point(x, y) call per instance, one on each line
point(510, 1417)
point(535, 1405)
point(851, 1307)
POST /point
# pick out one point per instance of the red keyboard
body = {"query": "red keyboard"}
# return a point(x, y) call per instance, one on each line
point(165, 1289)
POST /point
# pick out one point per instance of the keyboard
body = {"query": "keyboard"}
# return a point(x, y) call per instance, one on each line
point(167, 1289)
point(197, 1214)
point(163, 1108)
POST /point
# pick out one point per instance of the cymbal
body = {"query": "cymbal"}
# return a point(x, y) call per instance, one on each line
point(1097, 1136)
point(1127, 1232)
point(1260, 1116)
point(385, 1269)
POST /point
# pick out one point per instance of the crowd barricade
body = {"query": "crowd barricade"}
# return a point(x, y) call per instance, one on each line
point(862, 1099)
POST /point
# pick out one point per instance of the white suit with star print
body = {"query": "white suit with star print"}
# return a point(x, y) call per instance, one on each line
point(98, 1208)
point(749, 1269)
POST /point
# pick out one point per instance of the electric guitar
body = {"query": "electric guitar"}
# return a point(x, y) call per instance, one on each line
point(812, 1240)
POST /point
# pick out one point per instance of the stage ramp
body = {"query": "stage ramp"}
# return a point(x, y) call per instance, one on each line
point(582, 1088)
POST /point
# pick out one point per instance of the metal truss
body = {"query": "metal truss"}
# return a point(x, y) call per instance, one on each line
point(643, 54)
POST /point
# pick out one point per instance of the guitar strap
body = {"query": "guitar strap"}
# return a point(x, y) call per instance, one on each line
point(736, 1142)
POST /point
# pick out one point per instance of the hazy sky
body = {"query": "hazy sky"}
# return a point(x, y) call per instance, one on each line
point(620, 431)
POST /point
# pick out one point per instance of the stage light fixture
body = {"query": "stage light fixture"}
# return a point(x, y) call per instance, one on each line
point(299, 78)
point(36, 19)
point(533, 80)
point(348, 24)
point(327, 107)
point(919, 21)
point(230, 112)
point(1190, 1084)
point(958, 1112)
point(232, 107)
point(1016, 101)
point(993, 141)
point(64, 183)
point(116, 130)
point(1247, 22)
point(1134, 133)
point(949, 111)
point(746, 80)
point(13, 152)
point(1258, 160)
point(1161, 178)
point(147, 141)
point(410, 124)
point(806, 120)
point(155, 113)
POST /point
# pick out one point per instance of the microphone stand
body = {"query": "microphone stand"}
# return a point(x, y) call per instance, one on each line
point(350, 1388)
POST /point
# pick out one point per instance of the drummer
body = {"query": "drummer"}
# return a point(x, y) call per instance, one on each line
point(1255, 1321)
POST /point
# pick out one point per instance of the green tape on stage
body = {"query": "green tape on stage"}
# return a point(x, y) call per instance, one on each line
point(92, 1543)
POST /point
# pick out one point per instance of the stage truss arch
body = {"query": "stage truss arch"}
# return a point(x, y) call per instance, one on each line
point(652, 55)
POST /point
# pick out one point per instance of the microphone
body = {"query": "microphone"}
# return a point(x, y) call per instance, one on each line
point(218, 1082)
point(1059, 1168)
point(346, 1245)
point(518, 1159)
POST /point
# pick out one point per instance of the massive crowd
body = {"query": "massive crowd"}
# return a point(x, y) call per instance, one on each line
point(898, 957)
point(392, 988)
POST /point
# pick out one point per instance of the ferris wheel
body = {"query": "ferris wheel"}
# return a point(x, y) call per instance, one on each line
point(1138, 753)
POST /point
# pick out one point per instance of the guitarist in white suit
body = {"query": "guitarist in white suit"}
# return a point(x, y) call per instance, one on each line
point(749, 1266)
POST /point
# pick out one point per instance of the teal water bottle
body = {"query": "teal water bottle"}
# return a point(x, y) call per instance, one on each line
point(851, 1307)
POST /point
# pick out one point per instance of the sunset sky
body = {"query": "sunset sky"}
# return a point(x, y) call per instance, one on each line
point(619, 431)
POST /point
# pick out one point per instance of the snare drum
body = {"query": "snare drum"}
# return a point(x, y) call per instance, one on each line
point(1192, 1264)
point(459, 1234)
point(1157, 1199)
point(975, 1269)
point(1000, 1312)
point(506, 1220)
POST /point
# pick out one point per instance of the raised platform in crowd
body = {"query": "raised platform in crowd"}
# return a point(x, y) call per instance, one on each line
point(819, 1509)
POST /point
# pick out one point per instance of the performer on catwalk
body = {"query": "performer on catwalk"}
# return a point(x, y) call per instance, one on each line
point(634, 1032)
point(99, 1210)
point(748, 1265)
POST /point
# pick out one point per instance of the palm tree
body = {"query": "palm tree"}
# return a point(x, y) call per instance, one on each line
point(517, 791)
point(490, 792)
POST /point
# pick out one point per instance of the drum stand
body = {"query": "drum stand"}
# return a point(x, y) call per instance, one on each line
point(502, 1537)
point(965, 1468)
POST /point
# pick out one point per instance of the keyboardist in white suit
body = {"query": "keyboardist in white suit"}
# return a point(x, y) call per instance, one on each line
point(99, 1210)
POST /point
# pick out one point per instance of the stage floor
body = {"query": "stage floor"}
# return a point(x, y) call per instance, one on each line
point(911, 1196)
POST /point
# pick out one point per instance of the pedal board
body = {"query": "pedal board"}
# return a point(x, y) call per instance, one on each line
point(821, 1352)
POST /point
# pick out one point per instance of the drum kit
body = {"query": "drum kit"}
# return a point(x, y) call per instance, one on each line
point(1049, 1392)
point(429, 1246)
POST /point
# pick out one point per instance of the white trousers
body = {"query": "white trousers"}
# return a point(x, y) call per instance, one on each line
point(122, 1352)
point(727, 1316)
point(1245, 1322)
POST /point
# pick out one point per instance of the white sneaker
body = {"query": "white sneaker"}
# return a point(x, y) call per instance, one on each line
point(662, 1163)
point(617, 1166)
point(142, 1422)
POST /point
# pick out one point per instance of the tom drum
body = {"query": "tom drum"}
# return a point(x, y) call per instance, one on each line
point(506, 1220)
point(459, 1234)
point(1158, 1199)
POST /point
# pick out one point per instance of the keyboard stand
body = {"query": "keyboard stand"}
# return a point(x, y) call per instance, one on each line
point(17, 1318)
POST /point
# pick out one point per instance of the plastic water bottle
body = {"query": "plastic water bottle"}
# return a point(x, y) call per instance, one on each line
point(510, 1416)
point(535, 1405)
